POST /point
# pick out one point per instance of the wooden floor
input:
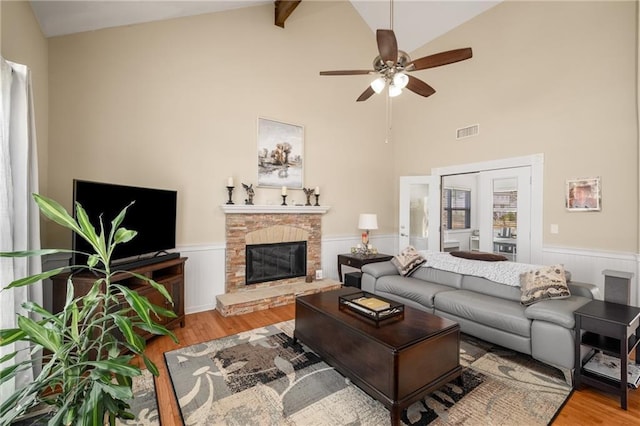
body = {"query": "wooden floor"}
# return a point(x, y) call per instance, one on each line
point(585, 407)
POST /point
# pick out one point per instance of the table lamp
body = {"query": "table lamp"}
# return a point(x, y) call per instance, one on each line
point(367, 222)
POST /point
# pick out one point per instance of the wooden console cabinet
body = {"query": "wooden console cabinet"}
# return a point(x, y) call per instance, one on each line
point(169, 273)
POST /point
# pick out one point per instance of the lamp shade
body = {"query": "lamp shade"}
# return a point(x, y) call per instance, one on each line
point(368, 221)
point(378, 84)
point(394, 90)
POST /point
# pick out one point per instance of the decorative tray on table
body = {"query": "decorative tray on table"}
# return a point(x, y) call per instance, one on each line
point(370, 306)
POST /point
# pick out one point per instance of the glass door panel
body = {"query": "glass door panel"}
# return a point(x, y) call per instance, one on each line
point(505, 214)
point(419, 195)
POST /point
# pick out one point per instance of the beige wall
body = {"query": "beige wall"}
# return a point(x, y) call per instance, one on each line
point(174, 104)
point(23, 42)
point(556, 78)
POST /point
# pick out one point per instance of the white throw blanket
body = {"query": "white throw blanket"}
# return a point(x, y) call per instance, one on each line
point(502, 272)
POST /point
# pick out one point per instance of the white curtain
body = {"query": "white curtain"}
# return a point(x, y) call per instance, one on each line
point(19, 217)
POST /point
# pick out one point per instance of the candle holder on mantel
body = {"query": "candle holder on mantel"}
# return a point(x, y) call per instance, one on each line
point(230, 189)
point(317, 198)
point(284, 200)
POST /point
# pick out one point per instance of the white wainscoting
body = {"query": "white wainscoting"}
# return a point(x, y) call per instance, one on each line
point(587, 265)
point(204, 276)
point(205, 269)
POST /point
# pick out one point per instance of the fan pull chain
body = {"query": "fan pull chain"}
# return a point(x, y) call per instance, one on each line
point(389, 119)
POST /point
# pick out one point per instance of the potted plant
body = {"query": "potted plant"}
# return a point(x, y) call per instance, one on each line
point(86, 350)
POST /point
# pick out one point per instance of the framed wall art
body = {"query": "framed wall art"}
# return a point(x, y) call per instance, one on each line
point(583, 195)
point(280, 154)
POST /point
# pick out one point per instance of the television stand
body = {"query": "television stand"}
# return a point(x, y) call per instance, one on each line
point(166, 272)
point(140, 262)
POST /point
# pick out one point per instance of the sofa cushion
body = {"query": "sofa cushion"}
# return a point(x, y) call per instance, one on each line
point(479, 255)
point(379, 269)
point(407, 261)
point(438, 276)
point(544, 283)
point(557, 311)
point(419, 291)
point(493, 312)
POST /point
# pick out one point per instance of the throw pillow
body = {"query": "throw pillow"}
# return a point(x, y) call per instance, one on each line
point(408, 261)
point(543, 284)
point(479, 255)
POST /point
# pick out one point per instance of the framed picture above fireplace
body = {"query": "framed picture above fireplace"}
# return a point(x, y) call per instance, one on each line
point(280, 154)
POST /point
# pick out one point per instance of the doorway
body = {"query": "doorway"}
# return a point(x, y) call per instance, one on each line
point(528, 231)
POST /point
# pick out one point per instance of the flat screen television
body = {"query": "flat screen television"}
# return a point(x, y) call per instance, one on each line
point(153, 216)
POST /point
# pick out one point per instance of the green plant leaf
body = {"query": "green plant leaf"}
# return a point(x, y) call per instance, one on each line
point(119, 365)
point(116, 391)
point(10, 335)
point(92, 261)
point(39, 334)
point(34, 307)
point(151, 366)
point(126, 327)
point(124, 235)
point(88, 231)
point(139, 304)
point(7, 357)
point(75, 332)
point(30, 253)
point(162, 289)
point(34, 278)
point(160, 311)
point(5, 373)
point(117, 221)
point(157, 329)
point(54, 211)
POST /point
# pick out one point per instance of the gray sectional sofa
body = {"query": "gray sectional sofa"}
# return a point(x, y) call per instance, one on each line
point(488, 310)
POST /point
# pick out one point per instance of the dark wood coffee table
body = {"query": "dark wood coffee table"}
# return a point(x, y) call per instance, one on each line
point(397, 363)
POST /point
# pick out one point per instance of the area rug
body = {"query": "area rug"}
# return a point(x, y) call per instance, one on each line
point(262, 377)
point(144, 406)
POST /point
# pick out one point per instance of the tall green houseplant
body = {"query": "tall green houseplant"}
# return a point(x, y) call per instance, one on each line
point(88, 347)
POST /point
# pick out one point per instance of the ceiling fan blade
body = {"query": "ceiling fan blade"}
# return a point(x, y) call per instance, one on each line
point(439, 59)
point(347, 72)
point(420, 87)
point(387, 45)
point(366, 94)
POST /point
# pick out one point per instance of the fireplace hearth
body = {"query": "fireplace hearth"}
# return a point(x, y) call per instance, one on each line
point(275, 261)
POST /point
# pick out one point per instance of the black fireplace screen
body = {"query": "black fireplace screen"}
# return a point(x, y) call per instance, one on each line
point(270, 262)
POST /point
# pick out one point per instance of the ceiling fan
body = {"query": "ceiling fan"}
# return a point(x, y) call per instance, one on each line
point(392, 65)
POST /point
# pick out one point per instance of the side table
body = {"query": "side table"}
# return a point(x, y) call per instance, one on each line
point(359, 260)
point(612, 328)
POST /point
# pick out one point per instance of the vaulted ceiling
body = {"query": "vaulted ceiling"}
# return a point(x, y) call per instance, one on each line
point(416, 22)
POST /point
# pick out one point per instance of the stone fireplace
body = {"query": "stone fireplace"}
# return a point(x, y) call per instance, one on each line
point(265, 226)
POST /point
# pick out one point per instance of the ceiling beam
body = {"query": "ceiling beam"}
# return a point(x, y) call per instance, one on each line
point(283, 9)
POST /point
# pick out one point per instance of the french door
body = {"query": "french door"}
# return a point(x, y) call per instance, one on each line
point(504, 213)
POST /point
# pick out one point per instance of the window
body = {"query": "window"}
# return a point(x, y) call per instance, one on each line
point(457, 208)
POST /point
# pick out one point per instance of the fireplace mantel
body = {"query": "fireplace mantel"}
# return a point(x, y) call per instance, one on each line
point(273, 209)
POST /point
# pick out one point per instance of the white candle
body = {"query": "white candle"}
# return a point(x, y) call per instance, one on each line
point(284, 190)
point(317, 190)
point(230, 181)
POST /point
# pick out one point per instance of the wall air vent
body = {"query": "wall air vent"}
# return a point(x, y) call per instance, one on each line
point(467, 132)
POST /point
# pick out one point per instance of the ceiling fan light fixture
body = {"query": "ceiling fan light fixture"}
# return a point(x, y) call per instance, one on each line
point(400, 80)
point(378, 84)
point(394, 90)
